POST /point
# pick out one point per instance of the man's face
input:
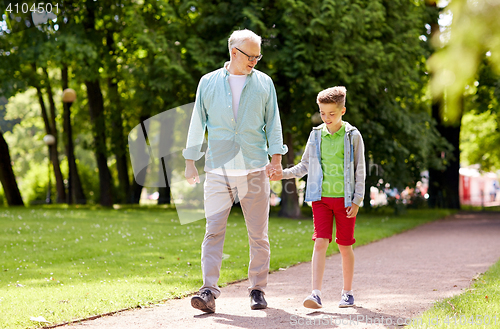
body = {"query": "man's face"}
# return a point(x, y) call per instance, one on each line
point(241, 63)
point(331, 114)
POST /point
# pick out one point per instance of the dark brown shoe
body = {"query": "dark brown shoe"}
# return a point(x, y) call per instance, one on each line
point(257, 301)
point(204, 301)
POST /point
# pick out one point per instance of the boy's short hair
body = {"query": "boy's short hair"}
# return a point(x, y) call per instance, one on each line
point(335, 95)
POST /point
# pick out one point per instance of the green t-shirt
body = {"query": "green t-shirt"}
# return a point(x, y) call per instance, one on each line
point(332, 162)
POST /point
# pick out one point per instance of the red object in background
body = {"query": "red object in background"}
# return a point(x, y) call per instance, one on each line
point(465, 180)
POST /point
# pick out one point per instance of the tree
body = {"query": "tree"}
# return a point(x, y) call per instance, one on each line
point(22, 66)
point(458, 59)
point(7, 177)
point(50, 129)
point(474, 32)
point(93, 39)
point(42, 49)
point(75, 188)
point(444, 182)
point(166, 68)
point(480, 135)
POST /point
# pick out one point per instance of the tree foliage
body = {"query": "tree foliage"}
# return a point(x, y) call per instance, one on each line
point(475, 31)
point(480, 136)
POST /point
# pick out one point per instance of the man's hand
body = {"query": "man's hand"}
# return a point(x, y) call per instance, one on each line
point(276, 176)
point(352, 211)
point(191, 173)
point(274, 170)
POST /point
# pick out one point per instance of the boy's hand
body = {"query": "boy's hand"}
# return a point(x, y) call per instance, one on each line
point(273, 169)
point(352, 211)
point(276, 175)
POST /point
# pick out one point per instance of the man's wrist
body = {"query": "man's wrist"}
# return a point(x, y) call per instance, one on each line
point(276, 159)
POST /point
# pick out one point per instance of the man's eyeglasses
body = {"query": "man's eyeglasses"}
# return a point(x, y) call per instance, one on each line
point(250, 58)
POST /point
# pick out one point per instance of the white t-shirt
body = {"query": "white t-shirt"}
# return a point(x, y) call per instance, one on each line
point(236, 82)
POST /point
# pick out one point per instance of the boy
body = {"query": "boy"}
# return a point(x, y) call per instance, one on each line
point(335, 163)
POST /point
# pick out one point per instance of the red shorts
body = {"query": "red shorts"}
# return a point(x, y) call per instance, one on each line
point(324, 211)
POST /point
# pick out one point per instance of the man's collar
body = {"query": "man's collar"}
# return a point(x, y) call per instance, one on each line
point(227, 73)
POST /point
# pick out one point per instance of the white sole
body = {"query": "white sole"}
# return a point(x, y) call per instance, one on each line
point(346, 306)
point(312, 304)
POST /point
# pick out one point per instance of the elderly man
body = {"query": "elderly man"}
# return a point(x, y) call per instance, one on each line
point(237, 104)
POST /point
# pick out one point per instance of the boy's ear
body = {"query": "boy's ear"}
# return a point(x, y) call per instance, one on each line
point(343, 110)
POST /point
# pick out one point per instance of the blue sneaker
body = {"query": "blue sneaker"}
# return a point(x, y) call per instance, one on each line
point(313, 301)
point(346, 301)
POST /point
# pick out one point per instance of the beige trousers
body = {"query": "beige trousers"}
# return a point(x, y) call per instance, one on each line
point(220, 193)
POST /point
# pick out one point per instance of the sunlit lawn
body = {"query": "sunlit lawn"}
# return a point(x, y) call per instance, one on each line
point(68, 263)
point(477, 307)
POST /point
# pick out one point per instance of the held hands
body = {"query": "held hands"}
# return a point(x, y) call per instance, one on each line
point(191, 173)
point(274, 170)
point(275, 175)
point(352, 211)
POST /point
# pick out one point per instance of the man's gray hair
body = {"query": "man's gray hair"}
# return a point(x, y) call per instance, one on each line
point(237, 38)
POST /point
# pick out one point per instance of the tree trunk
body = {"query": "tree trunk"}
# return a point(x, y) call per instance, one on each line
point(371, 180)
point(7, 177)
point(164, 197)
point(289, 205)
point(75, 189)
point(136, 189)
point(119, 145)
point(51, 103)
point(166, 138)
point(96, 108)
point(54, 155)
point(444, 184)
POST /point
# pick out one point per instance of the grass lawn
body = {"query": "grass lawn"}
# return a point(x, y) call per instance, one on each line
point(486, 209)
point(68, 263)
point(477, 307)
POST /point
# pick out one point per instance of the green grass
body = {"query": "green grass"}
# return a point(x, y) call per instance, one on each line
point(67, 263)
point(476, 208)
point(477, 307)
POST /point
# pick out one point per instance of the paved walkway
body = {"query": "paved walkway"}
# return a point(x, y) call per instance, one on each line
point(396, 278)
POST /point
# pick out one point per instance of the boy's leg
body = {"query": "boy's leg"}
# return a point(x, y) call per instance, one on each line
point(318, 262)
point(345, 239)
point(347, 266)
point(322, 236)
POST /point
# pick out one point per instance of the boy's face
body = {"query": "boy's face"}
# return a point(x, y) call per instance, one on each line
point(331, 114)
